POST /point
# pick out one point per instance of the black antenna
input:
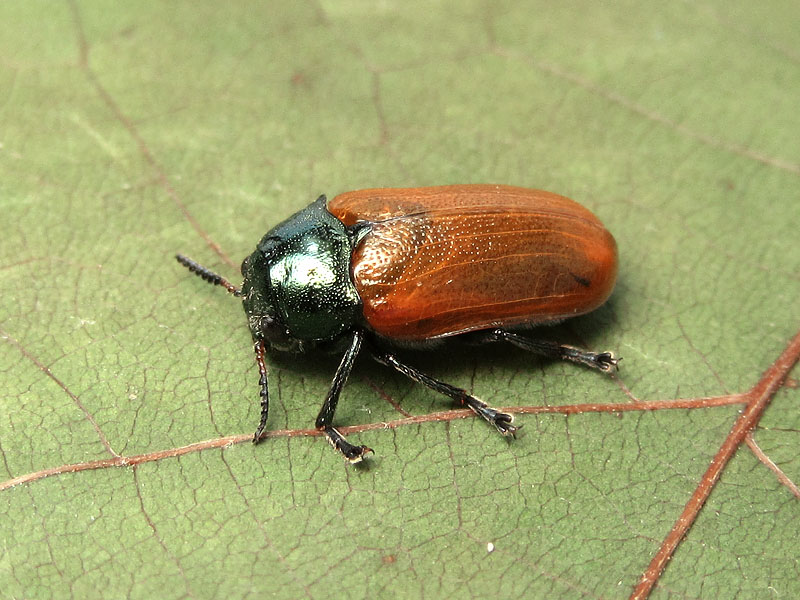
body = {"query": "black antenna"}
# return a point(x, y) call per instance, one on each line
point(207, 274)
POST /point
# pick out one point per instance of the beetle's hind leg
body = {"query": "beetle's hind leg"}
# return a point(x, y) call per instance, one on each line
point(502, 421)
point(602, 361)
point(324, 422)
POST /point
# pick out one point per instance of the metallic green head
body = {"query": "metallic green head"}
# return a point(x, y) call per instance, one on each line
point(297, 287)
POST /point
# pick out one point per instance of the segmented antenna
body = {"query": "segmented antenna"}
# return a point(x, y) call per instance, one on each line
point(207, 274)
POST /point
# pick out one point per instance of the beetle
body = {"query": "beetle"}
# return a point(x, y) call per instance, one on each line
point(404, 267)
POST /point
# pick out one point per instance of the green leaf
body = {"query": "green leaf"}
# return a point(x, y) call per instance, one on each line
point(134, 131)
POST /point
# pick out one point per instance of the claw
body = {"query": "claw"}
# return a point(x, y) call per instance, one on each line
point(353, 454)
point(606, 361)
point(357, 454)
point(502, 421)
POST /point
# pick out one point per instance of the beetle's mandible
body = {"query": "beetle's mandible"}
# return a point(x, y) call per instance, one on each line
point(388, 268)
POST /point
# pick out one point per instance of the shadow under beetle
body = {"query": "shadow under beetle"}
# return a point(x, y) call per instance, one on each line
point(388, 268)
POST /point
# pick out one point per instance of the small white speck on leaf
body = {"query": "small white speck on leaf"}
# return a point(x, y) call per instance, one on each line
point(490, 547)
point(81, 322)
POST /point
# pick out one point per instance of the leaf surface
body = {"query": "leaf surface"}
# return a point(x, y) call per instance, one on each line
point(132, 132)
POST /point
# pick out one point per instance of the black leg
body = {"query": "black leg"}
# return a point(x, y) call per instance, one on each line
point(602, 361)
point(207, 274)
point(325, 418)
point(502, 421)
point(264, 391)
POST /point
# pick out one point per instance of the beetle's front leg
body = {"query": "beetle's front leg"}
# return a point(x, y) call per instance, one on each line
point(324, 423)
point(502, 421)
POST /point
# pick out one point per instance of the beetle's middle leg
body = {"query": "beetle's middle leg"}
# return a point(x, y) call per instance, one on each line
point(502, 421)
point(602, 361)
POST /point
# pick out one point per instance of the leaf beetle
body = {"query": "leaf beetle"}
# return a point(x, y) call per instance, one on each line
point(399, 267)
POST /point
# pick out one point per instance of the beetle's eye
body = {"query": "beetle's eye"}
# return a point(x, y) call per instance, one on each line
point(272, 331)
point(245, 264)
